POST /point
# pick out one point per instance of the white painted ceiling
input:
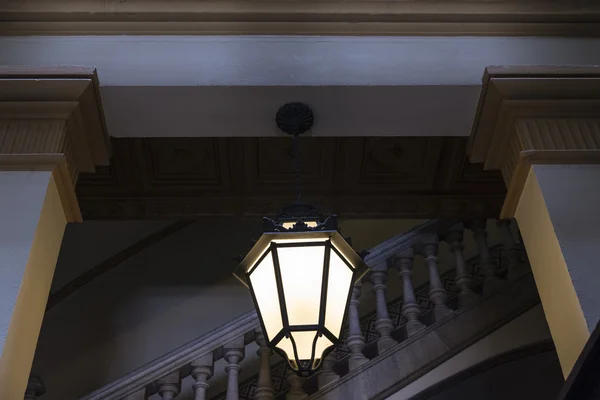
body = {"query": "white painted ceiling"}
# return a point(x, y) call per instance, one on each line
point(156, 86)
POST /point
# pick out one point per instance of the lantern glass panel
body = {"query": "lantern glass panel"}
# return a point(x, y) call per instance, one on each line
point(285, 344)
point(304, 344)
point(338, 285)
point(264, 286)
point(322, 344)
point(301, 276)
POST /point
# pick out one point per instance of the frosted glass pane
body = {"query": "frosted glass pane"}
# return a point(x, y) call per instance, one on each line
point(322, 344)
point(265, 290)
point(347, 256)
point(285, 344)
point(302, 275)
point(304, 342)
point(338, 285)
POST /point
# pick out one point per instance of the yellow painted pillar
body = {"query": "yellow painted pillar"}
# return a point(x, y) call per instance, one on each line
point(51, 129)
point(540, 126)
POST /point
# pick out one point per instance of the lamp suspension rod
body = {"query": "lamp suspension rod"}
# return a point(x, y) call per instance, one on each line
point(296, 150)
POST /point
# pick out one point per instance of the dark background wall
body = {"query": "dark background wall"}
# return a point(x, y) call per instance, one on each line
point(530, 373)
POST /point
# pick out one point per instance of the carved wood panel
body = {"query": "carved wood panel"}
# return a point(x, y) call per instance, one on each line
point(355, 177)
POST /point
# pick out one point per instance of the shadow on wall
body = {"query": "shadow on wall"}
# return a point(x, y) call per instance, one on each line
point(530, 372)
point(157, 300)
point(161, 298)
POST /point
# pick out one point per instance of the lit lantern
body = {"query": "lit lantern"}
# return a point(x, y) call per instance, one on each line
point(300, 273)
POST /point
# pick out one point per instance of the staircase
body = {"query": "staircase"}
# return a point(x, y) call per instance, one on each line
point(409, 335)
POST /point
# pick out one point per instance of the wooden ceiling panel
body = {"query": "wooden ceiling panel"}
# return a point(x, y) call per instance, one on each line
point(375, 177)
point(271, 166)
point(403, 163)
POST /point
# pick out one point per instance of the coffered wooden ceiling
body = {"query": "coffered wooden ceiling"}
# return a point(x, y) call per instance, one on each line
point(372, 177)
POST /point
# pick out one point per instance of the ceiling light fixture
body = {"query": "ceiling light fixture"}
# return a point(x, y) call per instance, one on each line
point(301, 271)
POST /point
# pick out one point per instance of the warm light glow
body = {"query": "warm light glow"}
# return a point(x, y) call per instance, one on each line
point(286, 345)
point(290, 224)
point(338, 285)
point(322, 344)
point(305, 240)
point(302, 276)
point(301, 288)
point(304, 345)
point(265, 290)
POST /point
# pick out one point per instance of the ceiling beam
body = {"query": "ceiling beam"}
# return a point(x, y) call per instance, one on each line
point(409, 17)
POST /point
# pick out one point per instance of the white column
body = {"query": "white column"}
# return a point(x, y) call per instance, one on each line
point(437, 292)
point(383, 323)
point(31, 233)
point(35, 388)
point(411, 310)
point(264, 386)
point(234, 353)
point(464, 280)
point(541, 129)
point(559, 218)
point(356, 340)
point(491, 282)
point(296, 382)
point(327, 374)
point(44, 145)
point(202, 371)
point(169, 386)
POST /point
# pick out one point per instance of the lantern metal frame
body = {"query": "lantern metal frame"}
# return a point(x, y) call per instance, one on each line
point(309, 225)
point(300, 221)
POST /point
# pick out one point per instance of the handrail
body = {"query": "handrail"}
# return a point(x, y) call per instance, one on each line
point(222, 335)
point(176, 359)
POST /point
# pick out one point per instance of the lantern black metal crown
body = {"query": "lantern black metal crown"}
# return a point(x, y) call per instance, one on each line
point(301, 272)
point(300, 218)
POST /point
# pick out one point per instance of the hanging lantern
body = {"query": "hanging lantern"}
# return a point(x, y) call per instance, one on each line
point(300, 273)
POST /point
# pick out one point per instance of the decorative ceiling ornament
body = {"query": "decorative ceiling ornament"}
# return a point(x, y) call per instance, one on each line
point(301, 271)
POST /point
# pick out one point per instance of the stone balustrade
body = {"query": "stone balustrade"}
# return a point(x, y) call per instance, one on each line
point(391, 322)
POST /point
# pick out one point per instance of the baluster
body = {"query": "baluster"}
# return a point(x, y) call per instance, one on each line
point(35, 388)
point(169, 386)
point(264, 387)
point(489, 269)
point(509, 245)
point(355, 341)
point(383, 323)
point(411, 310)
point(296, 382)
point(234, 353)
point(437, 292)
point(464, 279)
point(202, 371)
point(327, 374)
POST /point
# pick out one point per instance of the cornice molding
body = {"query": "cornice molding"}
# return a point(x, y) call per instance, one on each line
point(51, 120)
point(400, 17)
point(535, 116)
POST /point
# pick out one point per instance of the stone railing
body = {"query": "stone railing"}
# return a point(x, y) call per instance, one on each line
point(395, 321)
point(364, 338)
